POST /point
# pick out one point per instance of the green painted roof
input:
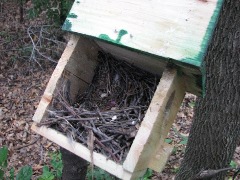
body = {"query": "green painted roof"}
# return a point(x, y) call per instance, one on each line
point(171, 30)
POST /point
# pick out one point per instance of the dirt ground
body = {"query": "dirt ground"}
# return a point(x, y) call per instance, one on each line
point(22, 82)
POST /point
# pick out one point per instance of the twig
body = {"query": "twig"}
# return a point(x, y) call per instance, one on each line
point(26, 145)
point(111, 108)
point(39, 36)
point(107, 149)
point(204, 174)
point(90, 143)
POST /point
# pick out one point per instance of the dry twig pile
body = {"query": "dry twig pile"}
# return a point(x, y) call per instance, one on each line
point(107, 116)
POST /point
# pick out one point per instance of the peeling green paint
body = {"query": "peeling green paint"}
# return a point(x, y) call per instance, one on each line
point(193, 58)
point(72, 15)
point(106, 37)
point(198, 60)
point(121, 33)
point(67, 25)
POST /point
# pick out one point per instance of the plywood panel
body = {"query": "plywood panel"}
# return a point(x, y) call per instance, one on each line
point(156, 123)
point(77, 64)
point(172, 29)
point(80, 150)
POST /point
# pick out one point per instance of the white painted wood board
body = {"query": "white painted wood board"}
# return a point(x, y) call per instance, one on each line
point(172, 29)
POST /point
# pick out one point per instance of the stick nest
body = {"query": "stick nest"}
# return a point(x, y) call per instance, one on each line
point(107, 116)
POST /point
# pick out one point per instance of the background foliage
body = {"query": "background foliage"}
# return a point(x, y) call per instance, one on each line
point(54, 171)
point(56, 10)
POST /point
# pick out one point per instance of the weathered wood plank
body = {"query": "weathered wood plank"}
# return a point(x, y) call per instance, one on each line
point(159, 160)
point(143, 61)
point(152, 64)
point(83, 60)
point(163, 151)
point(157, 121)
point(171, 29)
point(83, 152)
point(169, 117)
point(76, 85)
point(54, 80)
point(166, 31)
point(77, 64)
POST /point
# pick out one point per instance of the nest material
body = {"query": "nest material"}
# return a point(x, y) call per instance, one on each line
point(107, 116)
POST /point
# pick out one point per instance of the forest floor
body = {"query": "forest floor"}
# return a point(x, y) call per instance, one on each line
point(22, 82)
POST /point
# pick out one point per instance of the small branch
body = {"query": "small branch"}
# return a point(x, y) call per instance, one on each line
point(111, 108)
point(203, 174)
point(25, 145)
point(39, 37)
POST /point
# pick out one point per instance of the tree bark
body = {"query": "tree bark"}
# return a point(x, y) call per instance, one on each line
point(21, 11)
point(216, 126)
point(74, 167)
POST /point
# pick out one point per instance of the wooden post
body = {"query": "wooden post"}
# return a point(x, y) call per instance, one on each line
point(155, 126)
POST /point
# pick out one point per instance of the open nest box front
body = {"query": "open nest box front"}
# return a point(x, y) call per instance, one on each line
point(75, 71)
point(166, 38)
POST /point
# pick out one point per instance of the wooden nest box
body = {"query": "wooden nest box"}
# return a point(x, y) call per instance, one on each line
point(152, 35)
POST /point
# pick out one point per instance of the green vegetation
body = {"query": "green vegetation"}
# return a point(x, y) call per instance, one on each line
point(56, 10)
point(25, 173)
point(147, 175)
point(56, 165)
point(192, 104)
point(184, 139)
point(168, 140)
point(99, 174)
point(233, 164)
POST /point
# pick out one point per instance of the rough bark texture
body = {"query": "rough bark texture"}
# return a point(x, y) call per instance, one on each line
point(74, 167)
point(216, 126)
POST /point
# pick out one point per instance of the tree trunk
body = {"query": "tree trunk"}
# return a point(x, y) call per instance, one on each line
point(21, 11)
point(216, 126)
point(74, 167)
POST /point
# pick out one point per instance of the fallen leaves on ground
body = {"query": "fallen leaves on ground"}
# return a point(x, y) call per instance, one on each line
point(21, 87)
